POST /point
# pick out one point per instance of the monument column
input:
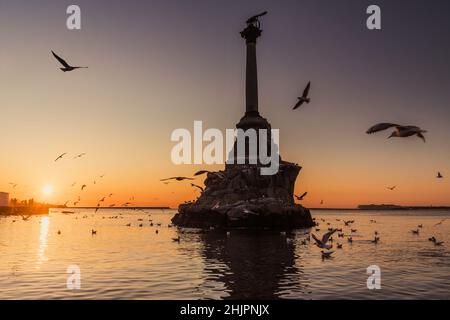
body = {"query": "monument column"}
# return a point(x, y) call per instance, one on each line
point(250, 34)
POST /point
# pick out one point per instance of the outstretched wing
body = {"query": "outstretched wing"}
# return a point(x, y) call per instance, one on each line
point(381, 127)
point(302, 196)
point(315, 239)
point(421, 136)
point(199, 173)
point(61, 60)
point(306, 91)
point(196, 186)
point(327, 236)
point(298, 105)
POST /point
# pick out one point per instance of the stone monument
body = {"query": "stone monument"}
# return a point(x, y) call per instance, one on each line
point(240, 196)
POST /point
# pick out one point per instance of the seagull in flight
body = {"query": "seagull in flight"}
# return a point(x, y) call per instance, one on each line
point(177, 179)
point(439, 176)
point(400, 131)
point(300, 198)
point(304, 98)
point(392, 188)
point(66, 66)
point(80, 155)
point(13, 185)
point(323, 242)
point(60, 156)
point(83, 186)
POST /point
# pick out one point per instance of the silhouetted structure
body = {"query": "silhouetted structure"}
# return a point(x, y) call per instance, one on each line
point(239, 196)
point(4, 199)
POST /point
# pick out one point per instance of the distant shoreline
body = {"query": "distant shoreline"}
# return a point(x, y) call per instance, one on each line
point(379, 208)
point(112, 208)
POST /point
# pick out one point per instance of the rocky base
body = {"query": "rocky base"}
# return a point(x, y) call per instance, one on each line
point(256, 214)
point(240, 197)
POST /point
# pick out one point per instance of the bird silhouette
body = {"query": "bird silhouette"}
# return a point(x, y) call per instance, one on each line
point(304, 98)
point(400, 131)
point(392, 188)
point(83, 186)
point(177, 179)
point(439, 176)
point(66, 66)
point(300, 198)
point(60, 157)
point(323, 242)
point(13, 185)
point(80, 155)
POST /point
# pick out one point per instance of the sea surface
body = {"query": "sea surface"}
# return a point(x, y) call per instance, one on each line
point(133, 262)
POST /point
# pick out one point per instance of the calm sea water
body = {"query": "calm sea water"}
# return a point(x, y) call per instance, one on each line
point(122, 262)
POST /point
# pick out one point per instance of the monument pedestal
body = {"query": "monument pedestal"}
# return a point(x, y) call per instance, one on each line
point(240, 197)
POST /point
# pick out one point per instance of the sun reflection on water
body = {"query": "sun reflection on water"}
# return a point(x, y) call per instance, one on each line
point(43, 234)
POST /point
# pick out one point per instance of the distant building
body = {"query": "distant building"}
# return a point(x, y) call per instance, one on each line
point(4, 199)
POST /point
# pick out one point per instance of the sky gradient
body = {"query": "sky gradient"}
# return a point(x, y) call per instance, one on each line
point(155, 66)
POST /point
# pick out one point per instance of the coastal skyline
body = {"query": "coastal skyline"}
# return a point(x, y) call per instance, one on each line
point(159, 66)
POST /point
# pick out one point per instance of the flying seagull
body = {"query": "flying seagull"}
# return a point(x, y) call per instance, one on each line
point(60, 156)
point(439, 176)
point(392, 188)
point(400, 131)
point(300, 198)
point(83, 186)
point(67, 67)
point(304, 98)
point(323, 243)
point(80, 155)
point(13, 185)
point(177, 179)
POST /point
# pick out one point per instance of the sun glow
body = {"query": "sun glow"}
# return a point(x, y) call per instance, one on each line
point(47, 190)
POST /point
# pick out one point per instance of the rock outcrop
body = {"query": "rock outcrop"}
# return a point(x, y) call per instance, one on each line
point(240, 197)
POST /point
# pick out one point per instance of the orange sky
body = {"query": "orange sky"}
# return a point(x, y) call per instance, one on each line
point(153, 71)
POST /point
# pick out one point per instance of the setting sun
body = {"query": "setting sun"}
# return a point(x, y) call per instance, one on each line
point(47, 190)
